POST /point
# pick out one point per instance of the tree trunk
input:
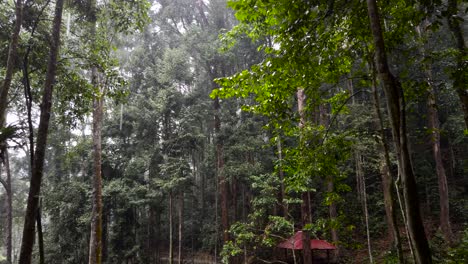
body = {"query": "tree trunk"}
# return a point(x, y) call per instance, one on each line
point(305, 205)
point(4, 91)
point(282, 194)
point(362, 194)
point(95, 241)
point(105, 233)
point(11, 61)
point(9, 206)
point(461, 74)
point(170, 230)
point(40, 236)
point(223, 184)
point(324, 121)
point(37, 172)
point(387, 177)
point(152, 228)
point(333, 215)
point(434, 128)
point(395, 105)
point(181, 224)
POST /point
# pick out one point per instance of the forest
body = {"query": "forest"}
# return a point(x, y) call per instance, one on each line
point(233, 131)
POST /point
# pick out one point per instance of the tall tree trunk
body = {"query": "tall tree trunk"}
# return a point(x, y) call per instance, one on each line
point(171, 254)
point(396, 109)
point(461, 73)
point(8, 205)
point(223, 184)
point(434, 128)
point(362, 194)
point(387, 177)
point(181, 224)
point(37, 172)
point(11, 61)
point(40, 236)
point(105, 233)
point(282, 194)
point(95, 241)
point(152, 241)
point(333, 216)
point(4, 91)
point(234, 190)
point(305, 205)
point(324, 121)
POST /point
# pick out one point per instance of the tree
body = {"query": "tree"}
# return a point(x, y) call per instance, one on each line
point(4, 91)
point(396, 109)
point(38, 165)
point(11, 63)
point(95, 241)
point(305, 205)
point(460, 75)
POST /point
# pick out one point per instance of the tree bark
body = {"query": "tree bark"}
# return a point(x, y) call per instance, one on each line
point(40, 236)
point(461, 73)
point(434, 128)
point(396, 109)
point(4, 91)
point(362, 194)
point(223, 184)
point(332, 213)
point(305, 205)
point(282, 194)
point(387, 177)
point(37, 172)
point(11, 61)
point(95, 241)
point(181, 224)
point(9, 207)
point(171, 254)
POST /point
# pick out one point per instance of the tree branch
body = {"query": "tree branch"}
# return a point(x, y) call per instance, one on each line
point(5, 185)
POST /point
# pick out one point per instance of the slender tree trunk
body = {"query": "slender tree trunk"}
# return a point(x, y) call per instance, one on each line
point(461, 73)
point(282, 194)
point(105, 233)
point(171, 254)
point(4, 91)
point(40, 236)
point(152, 227)
point(223, 184)
point(37, 172)
point(181, 224)
point(333, 216)
point(324, 121)
point(234, 198)
point(387, 177)
point(362, 194)
point(9, 207)
point(11, 61)
point(396, 109)
point(305, 205)
point(216, 219)
point(434, 128)
point(95, 241)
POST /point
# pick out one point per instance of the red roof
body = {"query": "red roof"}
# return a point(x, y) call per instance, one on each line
point(295, 242)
